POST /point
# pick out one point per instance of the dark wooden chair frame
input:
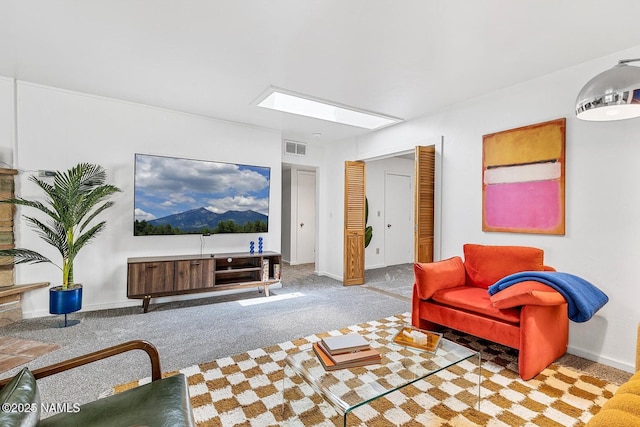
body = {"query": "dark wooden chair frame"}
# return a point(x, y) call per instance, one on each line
point(150, 349)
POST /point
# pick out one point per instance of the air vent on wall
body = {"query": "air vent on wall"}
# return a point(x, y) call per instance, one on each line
point(295, 147)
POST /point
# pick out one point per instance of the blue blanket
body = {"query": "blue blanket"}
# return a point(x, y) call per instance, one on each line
point(583, 298)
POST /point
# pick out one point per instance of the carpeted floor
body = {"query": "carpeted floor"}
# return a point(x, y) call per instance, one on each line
point(246, 389)
point(191, 332)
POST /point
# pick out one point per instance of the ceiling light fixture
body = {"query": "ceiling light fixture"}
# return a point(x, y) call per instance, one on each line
point(304, 105)
point(611, 95)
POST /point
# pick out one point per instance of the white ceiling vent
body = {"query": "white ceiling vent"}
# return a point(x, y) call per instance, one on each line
point(295, 147)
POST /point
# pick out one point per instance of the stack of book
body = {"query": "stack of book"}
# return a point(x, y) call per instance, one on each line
point(345, 351)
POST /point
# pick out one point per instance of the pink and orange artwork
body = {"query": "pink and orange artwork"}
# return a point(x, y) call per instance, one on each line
point(523, 179)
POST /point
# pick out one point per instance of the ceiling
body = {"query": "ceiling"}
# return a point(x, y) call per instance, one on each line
point(404, 58)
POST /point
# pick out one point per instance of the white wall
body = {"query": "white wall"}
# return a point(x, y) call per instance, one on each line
point(287, 209)
point(7, 121)
point(57, 129)
point(330, 179)
point(314, 157)
point(602, 195)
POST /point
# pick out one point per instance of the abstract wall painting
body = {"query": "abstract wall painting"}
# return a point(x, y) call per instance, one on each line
point(523, 179)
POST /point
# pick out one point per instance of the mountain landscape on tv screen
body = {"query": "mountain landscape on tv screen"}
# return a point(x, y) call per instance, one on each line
point(203, 221)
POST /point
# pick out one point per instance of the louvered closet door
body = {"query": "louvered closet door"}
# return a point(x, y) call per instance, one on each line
point(354, 222)
point(424, 203)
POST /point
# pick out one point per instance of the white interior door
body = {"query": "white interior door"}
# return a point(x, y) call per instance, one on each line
point(306, 218)
point(398, 215)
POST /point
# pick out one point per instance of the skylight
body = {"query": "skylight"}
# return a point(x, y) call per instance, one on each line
point(303, 105)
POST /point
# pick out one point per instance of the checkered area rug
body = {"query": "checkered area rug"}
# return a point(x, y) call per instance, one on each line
point(246, 390)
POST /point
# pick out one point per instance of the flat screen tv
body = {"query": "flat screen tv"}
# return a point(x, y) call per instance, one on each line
point(185, 196)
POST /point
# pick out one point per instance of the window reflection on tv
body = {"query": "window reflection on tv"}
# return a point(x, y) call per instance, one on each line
point(186, 196)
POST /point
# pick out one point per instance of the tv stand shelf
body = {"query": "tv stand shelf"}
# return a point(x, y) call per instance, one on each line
point(152, 277)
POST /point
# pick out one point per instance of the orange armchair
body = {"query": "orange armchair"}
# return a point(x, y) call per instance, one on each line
point(530, 317)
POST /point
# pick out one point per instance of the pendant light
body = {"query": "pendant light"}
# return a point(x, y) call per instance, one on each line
point(611, 95)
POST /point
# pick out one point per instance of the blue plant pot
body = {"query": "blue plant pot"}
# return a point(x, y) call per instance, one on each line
point(63, 302)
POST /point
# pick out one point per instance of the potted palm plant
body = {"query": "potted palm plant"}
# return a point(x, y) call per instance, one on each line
point(75, 199)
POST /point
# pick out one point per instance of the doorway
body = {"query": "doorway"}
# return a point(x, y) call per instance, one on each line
point(427, 169)
point(398, 212)
point(299, 211)
point(305, 218)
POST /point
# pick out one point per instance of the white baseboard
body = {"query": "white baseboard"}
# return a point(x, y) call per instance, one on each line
point(138, 302)
point(329, 275)
point(624, 366)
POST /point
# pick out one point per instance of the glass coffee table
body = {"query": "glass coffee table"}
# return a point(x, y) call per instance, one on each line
point(349, 388)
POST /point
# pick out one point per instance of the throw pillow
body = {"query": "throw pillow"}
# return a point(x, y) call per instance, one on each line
point(485, 265)
point(526, 293)
point(434, 276)
point(20, 401)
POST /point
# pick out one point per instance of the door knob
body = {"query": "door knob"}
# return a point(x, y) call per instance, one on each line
point(302, 224)
point(388, 225)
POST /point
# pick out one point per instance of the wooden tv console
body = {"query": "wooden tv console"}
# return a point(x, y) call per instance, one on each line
point(151, 277)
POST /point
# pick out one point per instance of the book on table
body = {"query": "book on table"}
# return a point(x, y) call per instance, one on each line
point(330, 362)
point(345, 343)
point(372, 357)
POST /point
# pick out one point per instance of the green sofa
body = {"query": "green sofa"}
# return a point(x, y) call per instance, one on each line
point(163, 402)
